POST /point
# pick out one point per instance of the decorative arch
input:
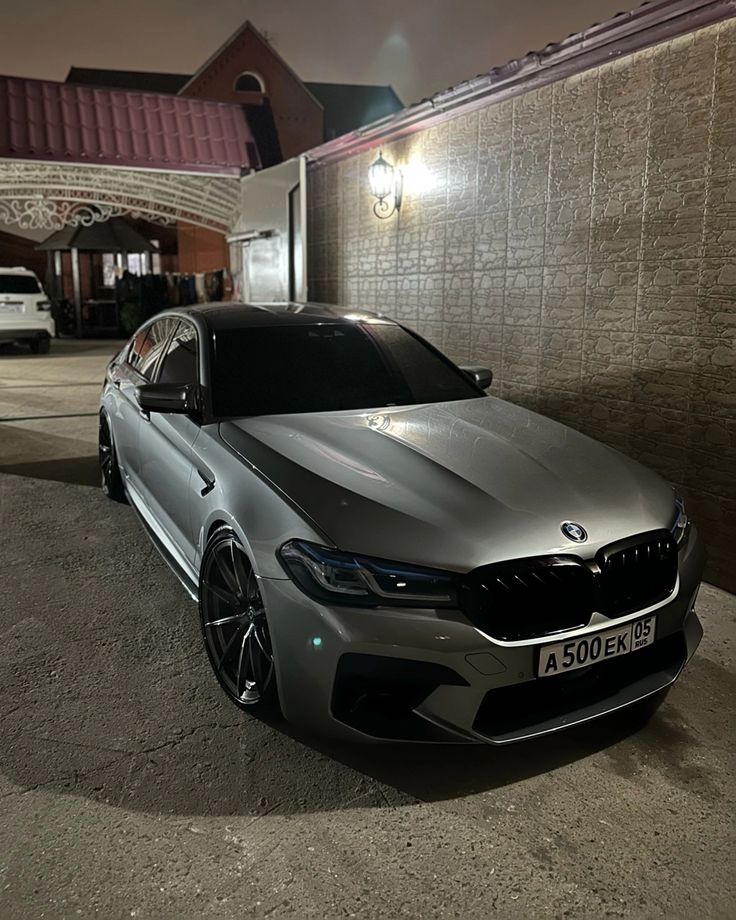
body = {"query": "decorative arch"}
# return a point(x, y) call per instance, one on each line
point(249, 82)
point(48, 196)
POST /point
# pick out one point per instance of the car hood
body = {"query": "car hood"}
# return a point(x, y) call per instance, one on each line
point(453, 485)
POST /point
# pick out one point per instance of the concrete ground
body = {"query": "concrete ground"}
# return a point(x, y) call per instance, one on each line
point(130, 787)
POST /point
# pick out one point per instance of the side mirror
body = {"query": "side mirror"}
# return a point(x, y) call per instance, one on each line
point(168, 397)
point(482, 376)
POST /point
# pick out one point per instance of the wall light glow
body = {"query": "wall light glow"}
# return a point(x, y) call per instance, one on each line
point(418, 179)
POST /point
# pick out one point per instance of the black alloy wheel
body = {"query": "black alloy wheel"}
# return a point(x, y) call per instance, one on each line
point(112, 480)
point(40, 346)
point(234, 624)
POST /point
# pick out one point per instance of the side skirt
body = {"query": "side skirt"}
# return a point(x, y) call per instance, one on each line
point(186, 578)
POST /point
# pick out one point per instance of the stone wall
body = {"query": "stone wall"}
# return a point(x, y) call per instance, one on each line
point(581, 240)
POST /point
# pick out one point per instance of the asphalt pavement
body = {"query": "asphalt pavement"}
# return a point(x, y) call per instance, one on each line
point(131, 787)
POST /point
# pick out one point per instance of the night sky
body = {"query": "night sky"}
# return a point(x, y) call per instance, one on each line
point(420, 47)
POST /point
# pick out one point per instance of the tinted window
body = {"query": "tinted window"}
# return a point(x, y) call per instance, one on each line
point(179, 364)
point(315, 368)
point(148, 345)
point(19, 284)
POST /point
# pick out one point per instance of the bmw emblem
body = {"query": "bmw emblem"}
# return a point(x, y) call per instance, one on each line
point(574, 532)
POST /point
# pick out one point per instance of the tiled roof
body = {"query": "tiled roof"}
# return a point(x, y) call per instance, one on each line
point(347, 106)
point(79, 124)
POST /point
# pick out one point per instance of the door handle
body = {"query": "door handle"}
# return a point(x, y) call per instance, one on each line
point(209, 483)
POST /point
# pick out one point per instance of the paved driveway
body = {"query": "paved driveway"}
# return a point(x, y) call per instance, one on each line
point(130, 787)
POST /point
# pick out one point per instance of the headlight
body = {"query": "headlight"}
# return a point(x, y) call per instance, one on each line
point(681, 523)
point(44, 305)
point(334, 577)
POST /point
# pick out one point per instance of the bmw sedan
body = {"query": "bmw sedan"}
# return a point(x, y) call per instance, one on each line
point(380, 549)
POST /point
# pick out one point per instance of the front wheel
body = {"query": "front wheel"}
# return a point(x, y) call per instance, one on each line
point(235, 626)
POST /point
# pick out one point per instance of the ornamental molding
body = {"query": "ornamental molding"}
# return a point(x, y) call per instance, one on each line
point(49, 196)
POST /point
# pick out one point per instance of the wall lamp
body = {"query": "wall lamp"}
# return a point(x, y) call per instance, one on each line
point(386, 182)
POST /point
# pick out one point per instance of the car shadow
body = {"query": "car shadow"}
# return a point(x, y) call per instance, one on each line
point(239, 765)
point(81, 471)
point(440, 772)
point(30, 450)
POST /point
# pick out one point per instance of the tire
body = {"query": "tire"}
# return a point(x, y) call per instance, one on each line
point(40, 346)
point(112, 479)
point(234, 625)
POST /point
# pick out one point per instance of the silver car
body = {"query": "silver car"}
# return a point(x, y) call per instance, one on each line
point(379, 548)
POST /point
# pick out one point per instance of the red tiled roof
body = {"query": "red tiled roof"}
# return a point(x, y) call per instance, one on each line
point(42, 120)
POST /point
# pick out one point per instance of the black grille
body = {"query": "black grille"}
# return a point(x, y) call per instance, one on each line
point(529, 597)
point(636, 573)
point(541, 596)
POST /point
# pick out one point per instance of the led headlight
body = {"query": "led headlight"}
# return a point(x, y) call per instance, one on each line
point(681, 523)
point(335, 577)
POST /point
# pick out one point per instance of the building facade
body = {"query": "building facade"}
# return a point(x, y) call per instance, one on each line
point(580, 239)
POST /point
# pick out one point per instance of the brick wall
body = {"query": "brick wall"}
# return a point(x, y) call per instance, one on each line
point(298, 116)
point(200, 249)
point(581, 240)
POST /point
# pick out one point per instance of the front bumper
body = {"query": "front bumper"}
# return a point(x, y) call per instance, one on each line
point(429, 675)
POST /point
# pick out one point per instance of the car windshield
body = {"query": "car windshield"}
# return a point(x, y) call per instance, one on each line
point(19, 284)
point(272, 370)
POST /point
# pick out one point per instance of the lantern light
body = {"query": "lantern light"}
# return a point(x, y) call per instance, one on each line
point(385, 183)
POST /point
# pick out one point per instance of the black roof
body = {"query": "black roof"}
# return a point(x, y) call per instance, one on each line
point(349, 106)
point(128, 79)
point(241, 315)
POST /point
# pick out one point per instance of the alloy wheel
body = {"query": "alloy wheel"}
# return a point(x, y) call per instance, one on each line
point(112, 482)
point(105, 453)
point(234, 624)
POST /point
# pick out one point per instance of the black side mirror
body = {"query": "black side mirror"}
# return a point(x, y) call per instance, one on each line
point(168, 397)
point(483, 376)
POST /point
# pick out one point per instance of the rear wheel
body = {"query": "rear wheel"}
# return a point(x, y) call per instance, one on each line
point(112, 480)
point(40, 346)
point(234, 625)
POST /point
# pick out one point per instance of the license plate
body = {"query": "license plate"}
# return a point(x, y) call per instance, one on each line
point(599, 646)
point(11, 307)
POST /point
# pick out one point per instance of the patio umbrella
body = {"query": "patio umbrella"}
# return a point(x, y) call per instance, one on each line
point(113, 235)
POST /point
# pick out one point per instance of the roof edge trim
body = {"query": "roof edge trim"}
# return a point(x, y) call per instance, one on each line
point(624, 34)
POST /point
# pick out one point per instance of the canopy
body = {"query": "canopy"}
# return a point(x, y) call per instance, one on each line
point(113, 235)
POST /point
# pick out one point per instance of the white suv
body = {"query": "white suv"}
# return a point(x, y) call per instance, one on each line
point(25, 310)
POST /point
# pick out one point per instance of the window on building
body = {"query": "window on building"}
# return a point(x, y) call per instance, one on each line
point(249, 82)
point(141, 263)
point(108, 269)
